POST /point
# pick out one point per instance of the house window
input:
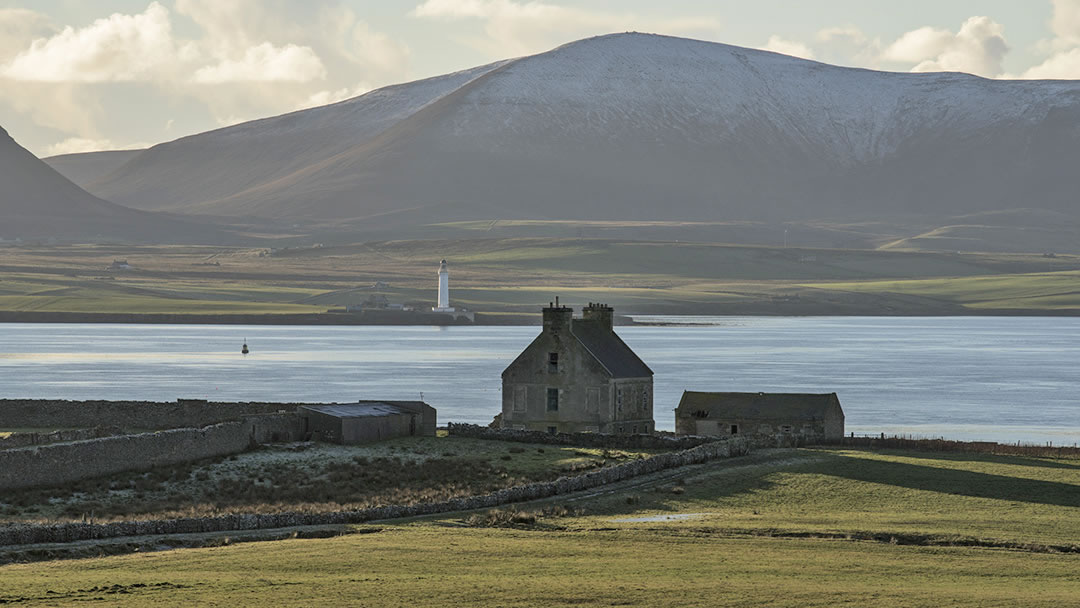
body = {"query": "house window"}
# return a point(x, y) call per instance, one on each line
point(734, 429)
point(701, 414)
point(553, 363)
point(786, 428)
point(521, 398)
point(618, 399)
point(553, 400)
point(644, 400)
point(553, 429)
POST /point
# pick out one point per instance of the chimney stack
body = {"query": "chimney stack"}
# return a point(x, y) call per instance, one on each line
point(556, 317)
point(600, 313)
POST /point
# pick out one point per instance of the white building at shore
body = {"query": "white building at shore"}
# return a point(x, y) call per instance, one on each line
point(444, 290)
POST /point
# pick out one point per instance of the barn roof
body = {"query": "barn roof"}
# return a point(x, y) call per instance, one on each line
point(764, 406)
point(609, 349)
point(365, 409)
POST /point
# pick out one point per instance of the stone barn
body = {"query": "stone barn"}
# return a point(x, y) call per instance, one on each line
point(814, 417)
point(367, 421)
point(578, 376)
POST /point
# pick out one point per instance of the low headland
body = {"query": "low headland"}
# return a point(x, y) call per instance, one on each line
point(504, 279)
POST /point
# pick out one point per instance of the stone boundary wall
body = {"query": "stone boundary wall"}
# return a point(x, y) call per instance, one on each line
point(25, 534)
point(20, 440)
point(182, 413)
point(60, 463)
point(588, 440)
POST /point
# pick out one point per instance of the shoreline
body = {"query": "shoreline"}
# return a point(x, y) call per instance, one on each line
point(482, 319)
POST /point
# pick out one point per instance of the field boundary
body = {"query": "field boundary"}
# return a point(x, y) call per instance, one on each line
point(584, 440)
point(59, 463)
point(26, 534)
point(896, 442)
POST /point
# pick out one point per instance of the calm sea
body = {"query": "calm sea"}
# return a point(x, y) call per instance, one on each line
point(1003, 379)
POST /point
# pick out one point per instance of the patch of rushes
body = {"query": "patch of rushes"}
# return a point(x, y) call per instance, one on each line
point(311, 478)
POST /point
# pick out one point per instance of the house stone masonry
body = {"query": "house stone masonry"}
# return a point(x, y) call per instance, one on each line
point(578, 376)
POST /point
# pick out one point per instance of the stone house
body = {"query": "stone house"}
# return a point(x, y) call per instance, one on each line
point(366, 421)
point(813, 417)
point(578, 376)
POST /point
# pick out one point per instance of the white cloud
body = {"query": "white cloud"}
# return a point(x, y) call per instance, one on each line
point(265, 63)
point(77, 145)
point(1062, 65)
point(513, 27)
point(979, 47)
point(1064, 59)
point(918, 45)
point(377, 50)
point(1065, 22)
point(117, 48)
point(18, 28)
point(61, 107)
point(323, 98)
point(848, 33)
point(847, 45)
point(379, 56)
point(788, 47)
point(216, 61)
point(460, 8)
point(228, 26)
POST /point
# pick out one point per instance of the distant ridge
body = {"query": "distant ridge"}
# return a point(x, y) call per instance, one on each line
point(637, 127)
point(38, 203)
point(87, 167)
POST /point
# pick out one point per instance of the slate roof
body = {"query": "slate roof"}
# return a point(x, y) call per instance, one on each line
point(609, 349)
point(761, 406)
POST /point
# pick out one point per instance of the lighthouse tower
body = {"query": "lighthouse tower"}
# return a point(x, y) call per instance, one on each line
point(444, 290)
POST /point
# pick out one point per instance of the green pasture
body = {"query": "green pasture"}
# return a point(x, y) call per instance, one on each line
point(520, 274)
point(1039, 291)
point(946, 497)
point(61, 293)
point(784, 528)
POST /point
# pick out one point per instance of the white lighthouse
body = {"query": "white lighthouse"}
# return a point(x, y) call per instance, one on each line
point(444, 290)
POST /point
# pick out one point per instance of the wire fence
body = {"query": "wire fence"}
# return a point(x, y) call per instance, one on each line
point(940, 444)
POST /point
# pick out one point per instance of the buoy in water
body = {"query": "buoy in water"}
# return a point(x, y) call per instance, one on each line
point(244, 348)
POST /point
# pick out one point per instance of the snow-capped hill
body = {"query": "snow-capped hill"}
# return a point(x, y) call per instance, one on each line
point(699, 92)
point(231, 159)
point(637, 126)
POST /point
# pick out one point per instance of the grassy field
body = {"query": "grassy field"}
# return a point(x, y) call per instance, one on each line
point(1041, 291)
point(520, 274)
point(782, 528)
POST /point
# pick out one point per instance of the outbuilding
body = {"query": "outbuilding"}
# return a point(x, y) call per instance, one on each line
point(813, 417)
point(366, 421)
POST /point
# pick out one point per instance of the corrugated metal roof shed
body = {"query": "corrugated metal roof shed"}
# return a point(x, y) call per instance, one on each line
point(357, 410)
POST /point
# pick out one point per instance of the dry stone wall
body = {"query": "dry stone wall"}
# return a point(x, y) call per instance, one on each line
point(182, 413)
point(588, 440)
point(23, 534)
point(19, 440)
point(60, 463)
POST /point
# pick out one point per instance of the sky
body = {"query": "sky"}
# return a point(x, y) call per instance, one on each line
point(82, 75)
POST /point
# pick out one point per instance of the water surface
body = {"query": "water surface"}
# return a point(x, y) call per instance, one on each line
point(993, 378)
